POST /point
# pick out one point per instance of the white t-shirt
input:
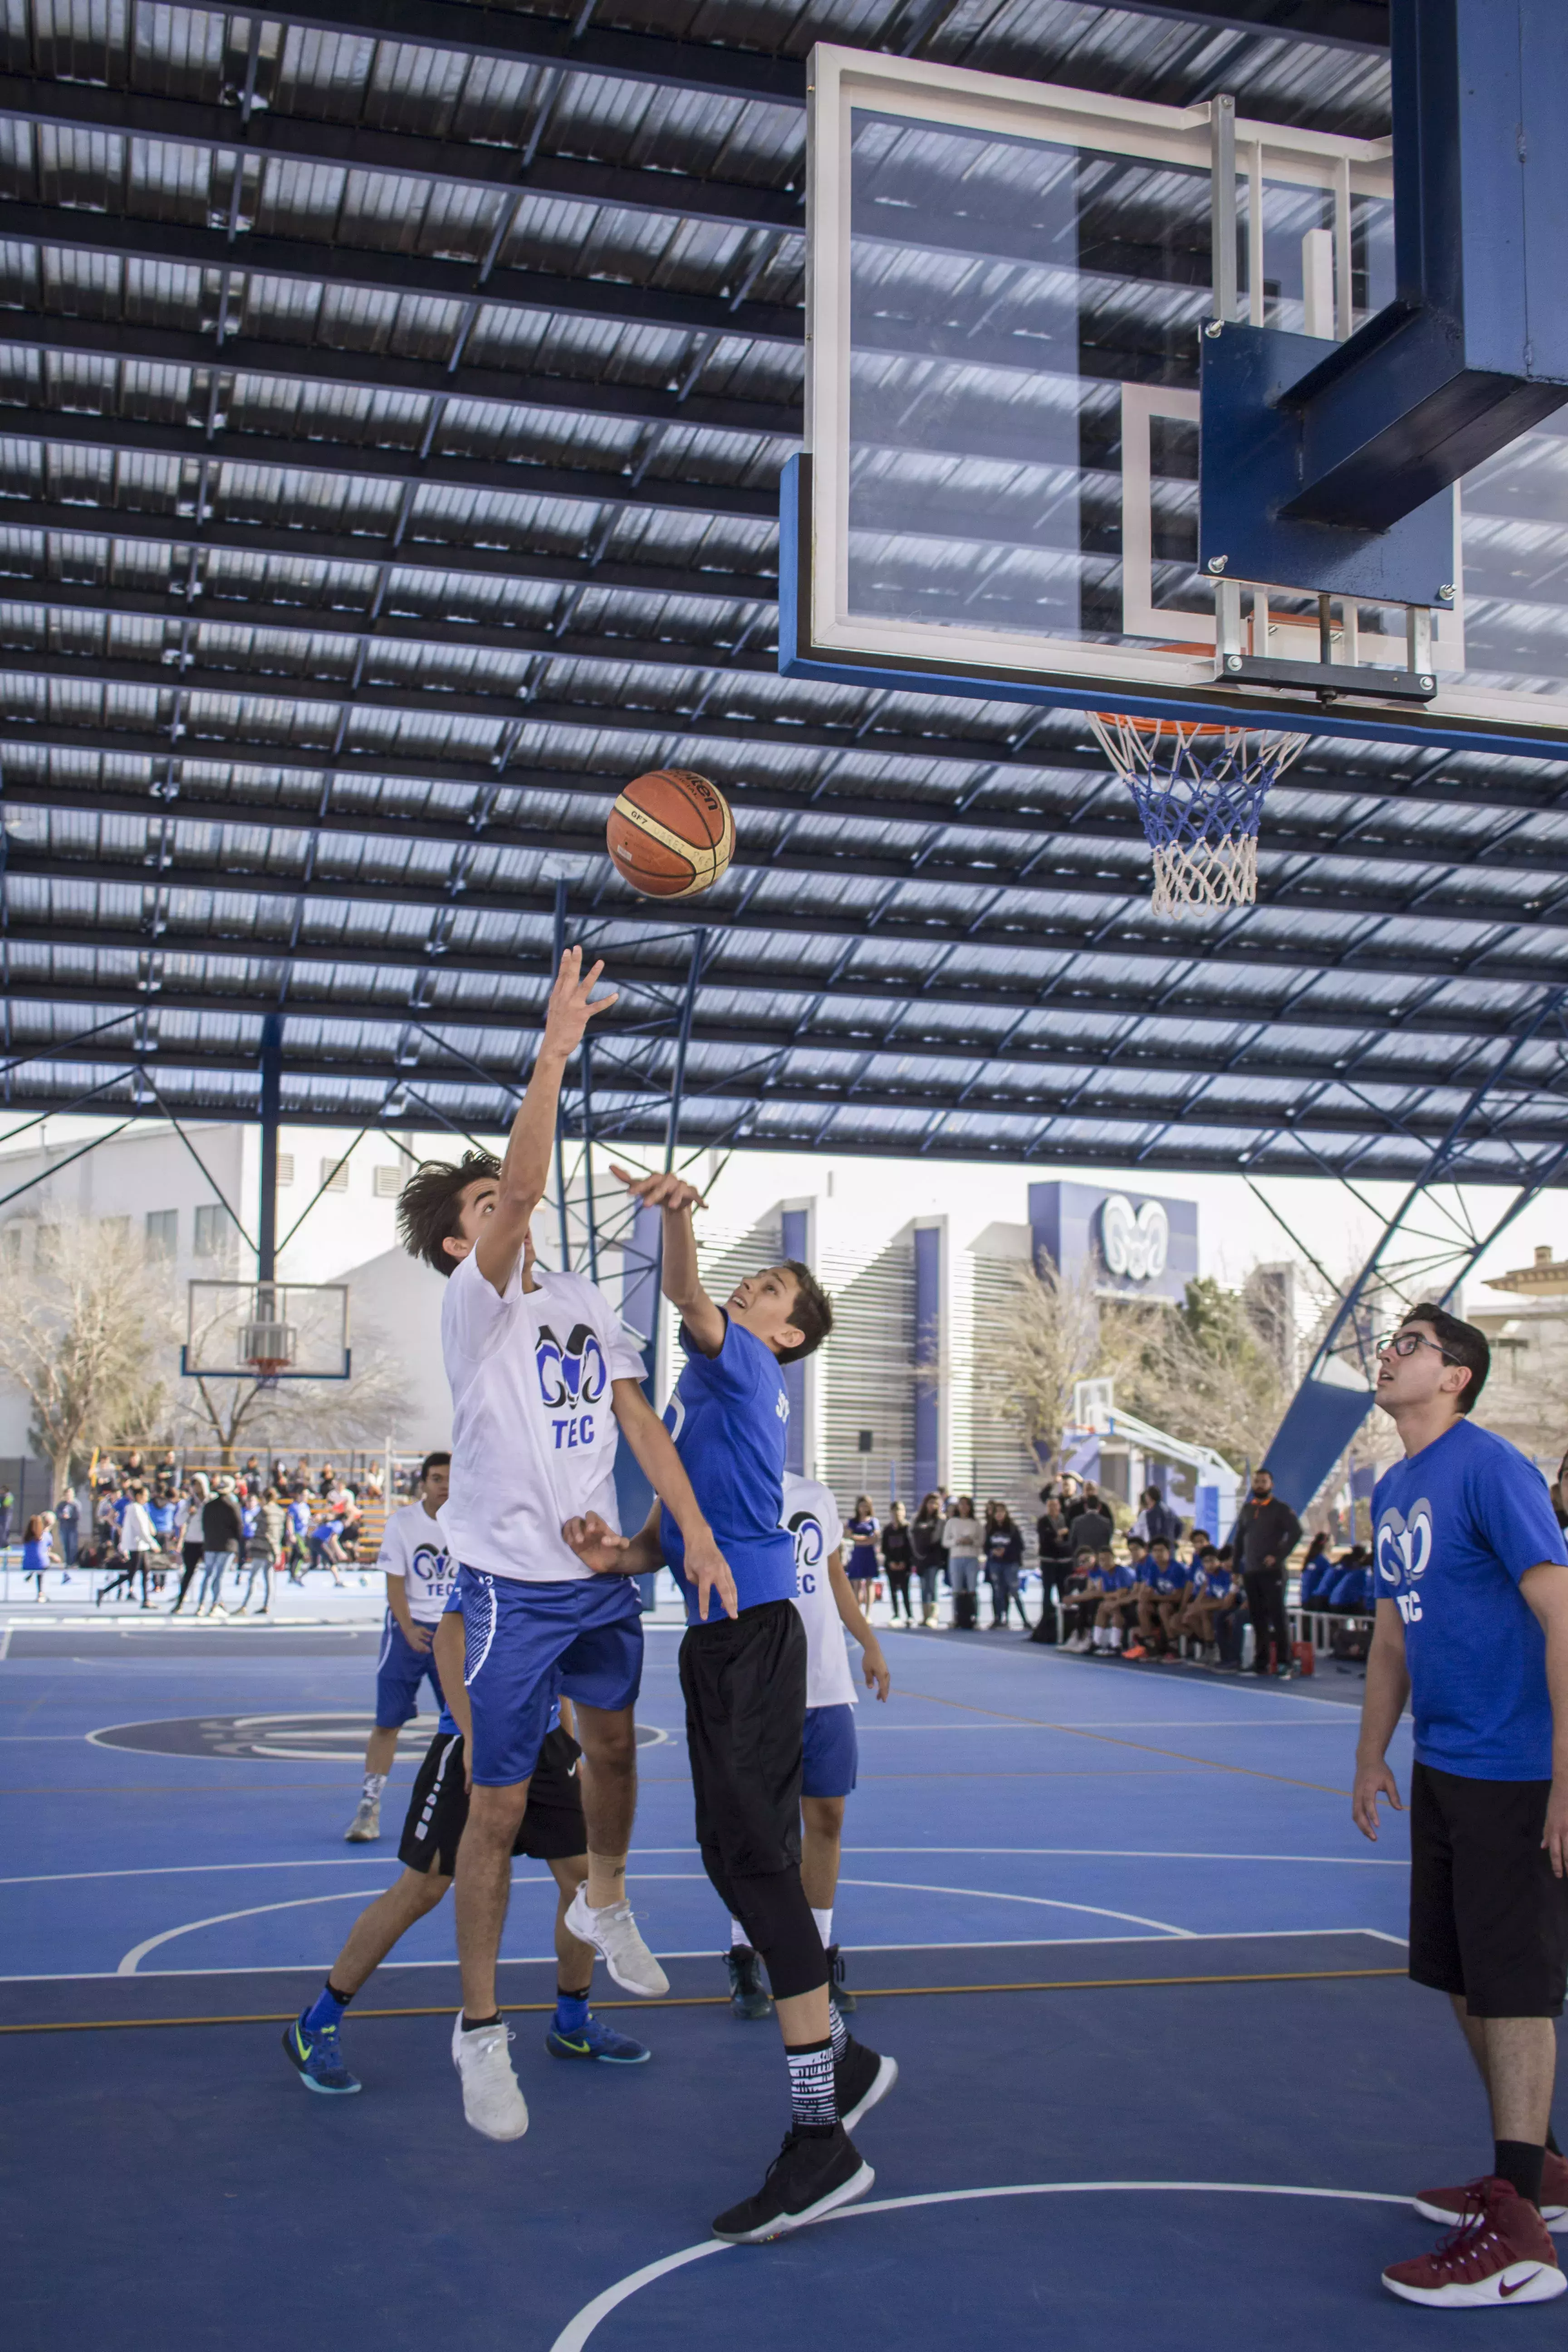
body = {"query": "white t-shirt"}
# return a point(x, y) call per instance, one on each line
point(534, 1435)
point(413, 1547)
point(811, 1515)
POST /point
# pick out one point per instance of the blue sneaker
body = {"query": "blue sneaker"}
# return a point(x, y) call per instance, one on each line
point(594, 2039)
point(318, 2058)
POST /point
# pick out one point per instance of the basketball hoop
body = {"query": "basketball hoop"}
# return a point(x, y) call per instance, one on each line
point(1199, 791)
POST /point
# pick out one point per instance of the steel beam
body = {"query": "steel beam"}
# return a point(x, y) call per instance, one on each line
point(1041, 934)
point(507, 292)
point(183, 536)
point(320, 366)
point(986, 1050)
point(230, 445)
point(522, 963)
point(401, 155)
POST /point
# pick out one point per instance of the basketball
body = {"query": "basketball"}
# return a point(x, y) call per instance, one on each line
point(670, 834)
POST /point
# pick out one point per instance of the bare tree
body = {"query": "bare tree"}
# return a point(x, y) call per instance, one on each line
point(1048, 1339)
point(79, 1337)
point(1207, 1370)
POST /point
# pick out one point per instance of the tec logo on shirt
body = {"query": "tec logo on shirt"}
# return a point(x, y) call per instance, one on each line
point(809, 1549)
point(1404, 1553)
point(571, 1378)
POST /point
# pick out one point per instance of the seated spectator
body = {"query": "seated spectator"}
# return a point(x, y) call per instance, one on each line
point(1214, 1598)
point(1351, 1592)
point(1115, 1586)
point(1079, 1602)
point(1319, 1572)
point(1162, 1600)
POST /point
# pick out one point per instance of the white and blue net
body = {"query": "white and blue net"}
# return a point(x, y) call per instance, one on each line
point(1199, 792)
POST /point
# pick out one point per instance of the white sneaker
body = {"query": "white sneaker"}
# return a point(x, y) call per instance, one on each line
point(365, 1826)
point(613, 1933)
point(492, 2102)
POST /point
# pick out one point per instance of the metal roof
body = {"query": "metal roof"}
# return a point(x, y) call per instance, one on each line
point(392, 405)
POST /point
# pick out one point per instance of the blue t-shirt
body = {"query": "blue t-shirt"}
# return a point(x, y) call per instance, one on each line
point(729, 1418)
point(1457, 1526)
point(1115, 1580)
point(1216, 1582)
point(1174, 1577)
point(1318, 1578)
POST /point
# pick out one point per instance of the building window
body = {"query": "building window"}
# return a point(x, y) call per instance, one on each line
point(208, 1240)
point(162, 1232)
point(284, 1169)
point(334, 1175)
point(387, 1184)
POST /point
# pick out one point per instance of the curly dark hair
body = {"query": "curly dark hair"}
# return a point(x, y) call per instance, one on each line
point(429, 1202)
point(812, 1313)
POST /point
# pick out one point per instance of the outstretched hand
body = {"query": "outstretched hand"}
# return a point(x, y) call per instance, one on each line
point(569, 1011)
point(660, 1191)
point(595, 1543)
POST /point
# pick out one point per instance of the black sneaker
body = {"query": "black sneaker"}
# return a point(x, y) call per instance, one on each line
point(861, 2080)
point(812, 2174)
point(847, 2001)
point(749, 1996)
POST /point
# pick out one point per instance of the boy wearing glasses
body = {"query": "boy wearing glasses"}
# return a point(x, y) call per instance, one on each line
point(1472, 1627)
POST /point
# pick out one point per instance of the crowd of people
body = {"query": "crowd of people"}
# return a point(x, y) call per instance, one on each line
point(1155, 1591)
point(144, 1530)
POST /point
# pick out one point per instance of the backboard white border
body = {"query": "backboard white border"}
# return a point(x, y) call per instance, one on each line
point(843, 79)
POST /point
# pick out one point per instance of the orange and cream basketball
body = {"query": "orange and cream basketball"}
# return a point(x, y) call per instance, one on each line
point(670, 834)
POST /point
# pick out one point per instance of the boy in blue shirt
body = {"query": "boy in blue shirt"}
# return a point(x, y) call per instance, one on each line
point(1116, 1586)
point(1472, 1628)
point(744, 1678)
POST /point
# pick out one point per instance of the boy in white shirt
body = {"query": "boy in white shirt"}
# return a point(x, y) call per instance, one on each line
point(419, 1577)
point(543, 1376)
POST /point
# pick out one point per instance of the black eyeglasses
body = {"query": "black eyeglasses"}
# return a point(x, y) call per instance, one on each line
point(1404, 1343)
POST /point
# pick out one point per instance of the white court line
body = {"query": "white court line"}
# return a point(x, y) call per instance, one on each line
point(577, 2330)
point(128, 1966)
point(5, 1641)
point(651, 1852)
point(709, 1952)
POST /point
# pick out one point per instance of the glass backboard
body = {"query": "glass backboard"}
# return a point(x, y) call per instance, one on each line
point(1010, 285)
point(266, 1331)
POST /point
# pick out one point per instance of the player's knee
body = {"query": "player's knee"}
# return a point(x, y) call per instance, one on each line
point(823, 1817)
point(495, 1813)
point(609, 1741)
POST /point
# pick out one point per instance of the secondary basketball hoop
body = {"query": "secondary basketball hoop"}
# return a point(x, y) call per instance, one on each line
point(266, 1331)
point(1199, 792)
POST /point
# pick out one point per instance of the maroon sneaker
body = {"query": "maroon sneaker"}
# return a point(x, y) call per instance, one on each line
point(1448, 2204)
point(1498, 2250)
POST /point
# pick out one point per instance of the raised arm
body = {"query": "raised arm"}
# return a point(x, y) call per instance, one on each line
point(525, 1169)
point(704, 1322)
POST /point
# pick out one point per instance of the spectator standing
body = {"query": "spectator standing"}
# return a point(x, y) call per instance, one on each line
point(1004, 1563)
point(861, 1565)
point(189, 1530)
point(1155, 1519)
point(1054, 1537)
point(960, 1537)
point(68, 1520)
point(222, 1538)
point(36, 1551)
point(138, 1540)
point(263, 1549)
point(898, 1558)
point(926, 1545)
point(7, 1509)
point(1091, 1525)
point(1265, 1533)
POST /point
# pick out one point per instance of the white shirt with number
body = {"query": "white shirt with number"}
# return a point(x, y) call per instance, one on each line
point(413, 1547)
point(533, 1432)
point(811, 1515)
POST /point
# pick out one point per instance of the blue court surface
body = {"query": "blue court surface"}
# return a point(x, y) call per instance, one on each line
point(1163, 2081)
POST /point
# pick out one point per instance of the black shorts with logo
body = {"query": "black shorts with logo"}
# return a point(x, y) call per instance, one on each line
point(553, 1827)
point(743, 1681)
point(1489, 1918)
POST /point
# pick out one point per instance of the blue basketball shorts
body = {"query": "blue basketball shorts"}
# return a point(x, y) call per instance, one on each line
point(527, 1645)
point(831, 1756)
point(399, 1671)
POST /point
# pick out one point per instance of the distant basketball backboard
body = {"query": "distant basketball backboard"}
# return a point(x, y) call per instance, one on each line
point(1011, 287)
point(266, 1331)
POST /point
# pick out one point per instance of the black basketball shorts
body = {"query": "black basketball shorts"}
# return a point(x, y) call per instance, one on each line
point(553, 1827)
point(1489, 1919)
point(743, 1681)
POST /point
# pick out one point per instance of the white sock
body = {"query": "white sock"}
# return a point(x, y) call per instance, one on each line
point(374, 1782)
point(1115, 1633)
point(824, 1924)
point(1098, 1637)
point(738, 1936)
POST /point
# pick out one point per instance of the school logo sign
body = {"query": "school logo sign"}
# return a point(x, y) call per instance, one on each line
point(1134, 1242)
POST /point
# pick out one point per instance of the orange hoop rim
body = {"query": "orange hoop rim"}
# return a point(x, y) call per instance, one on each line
point(1162, 729)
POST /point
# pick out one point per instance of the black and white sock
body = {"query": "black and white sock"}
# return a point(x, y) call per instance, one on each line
point(838, 2032)
point(814, 2102)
